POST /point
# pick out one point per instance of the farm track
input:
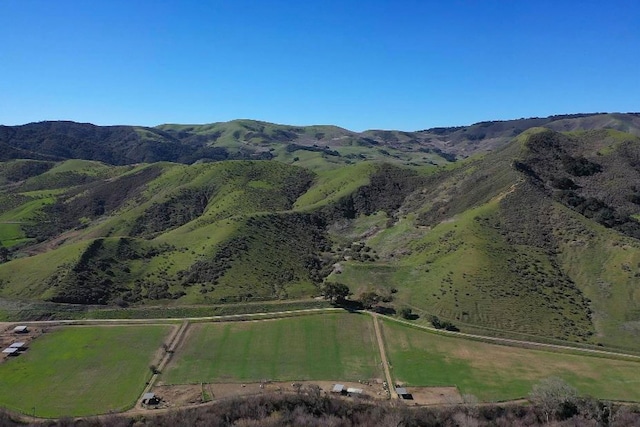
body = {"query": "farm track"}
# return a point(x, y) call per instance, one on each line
point(514, 342)
point(383, 358)
point(170, 348)
point(276, 314)
point(163, 320)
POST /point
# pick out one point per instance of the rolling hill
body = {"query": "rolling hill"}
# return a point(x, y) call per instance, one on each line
point(520, 227)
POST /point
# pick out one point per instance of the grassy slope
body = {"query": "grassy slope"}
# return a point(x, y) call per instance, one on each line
point(481, 246)
point(493, 372)
point(331, 185)
point(241, 135)
point(79, 371)
point(607, 267)
point(464, 270)
point(28, 277)
point(314, 347)
point(236, 191)
point(476, 245)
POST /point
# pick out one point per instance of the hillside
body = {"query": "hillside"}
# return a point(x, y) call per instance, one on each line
point(539, 236)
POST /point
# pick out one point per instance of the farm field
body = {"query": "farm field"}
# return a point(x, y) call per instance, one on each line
point(81, 370)
point(340, 347)
point(494, 373)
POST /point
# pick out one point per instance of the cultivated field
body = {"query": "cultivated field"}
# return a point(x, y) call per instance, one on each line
point(81, 370)
point(338, 347)
point(494, 372)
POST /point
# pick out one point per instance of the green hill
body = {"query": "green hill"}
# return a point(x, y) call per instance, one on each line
point(539, 236)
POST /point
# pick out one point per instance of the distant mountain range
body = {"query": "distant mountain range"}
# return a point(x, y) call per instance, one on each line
point(249, 139)
point(526, 226)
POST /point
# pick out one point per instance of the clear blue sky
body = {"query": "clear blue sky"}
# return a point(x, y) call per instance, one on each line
point(358, 64)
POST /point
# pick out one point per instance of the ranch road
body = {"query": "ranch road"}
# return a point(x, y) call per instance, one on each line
point(276, 314)
point(383, 357)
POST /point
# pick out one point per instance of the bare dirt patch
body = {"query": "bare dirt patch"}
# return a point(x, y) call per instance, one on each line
point(434, 396)
point(194, 394)
point(180, 395)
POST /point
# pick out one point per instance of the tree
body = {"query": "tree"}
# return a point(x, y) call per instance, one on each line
point(406, 313)
point(553, 396)
point(4, 254)
point(336, 292)
point(443, 324)
point(369, 299)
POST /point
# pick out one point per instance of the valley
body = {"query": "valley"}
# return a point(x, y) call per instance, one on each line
point(213, 360)
point(524, 230)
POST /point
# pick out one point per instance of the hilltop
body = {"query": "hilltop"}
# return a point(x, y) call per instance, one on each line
point(517, 227)
point(251, 139)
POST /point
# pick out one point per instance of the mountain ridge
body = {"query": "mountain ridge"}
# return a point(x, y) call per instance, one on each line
point(251, 139)
point(536, 235)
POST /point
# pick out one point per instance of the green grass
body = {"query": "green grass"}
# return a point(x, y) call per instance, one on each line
point(332, 185)
point(26, 211)
point(461, 270)
point(78, 371)
point(11, 235)
point(28, 277)
point(607, 266)
point(494, 373)
point(338, 347)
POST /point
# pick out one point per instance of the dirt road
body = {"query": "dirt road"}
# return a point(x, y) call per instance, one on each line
point(383, 357)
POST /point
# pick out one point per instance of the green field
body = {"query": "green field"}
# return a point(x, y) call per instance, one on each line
point(494, 372)
point(77, 371)
point(337, 347)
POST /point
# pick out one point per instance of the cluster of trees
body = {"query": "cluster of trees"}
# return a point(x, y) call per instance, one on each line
point(23, 169)
point(443, 324)
point(600, 212)
point(290, 148)
point(554, 162)
point(116, 145)
point(101, 275)
point(268, 254)
point(185, 206)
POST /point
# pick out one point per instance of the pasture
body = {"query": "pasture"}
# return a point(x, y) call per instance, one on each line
point(81, 370)
point(338, 347)
point(494, 372)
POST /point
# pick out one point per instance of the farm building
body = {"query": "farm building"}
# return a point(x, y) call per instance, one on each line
point(353, 390)
point(18, 345)
point(11, 351)
point(338, 388)
point(150, 399)
point(21, 329)
point(403, 393)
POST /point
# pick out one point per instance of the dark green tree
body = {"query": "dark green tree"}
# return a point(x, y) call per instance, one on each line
point(369, 299)
point(335, 292)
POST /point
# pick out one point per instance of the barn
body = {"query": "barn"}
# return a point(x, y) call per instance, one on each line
point(150, 399)
point(11, 351)
point(403, 393)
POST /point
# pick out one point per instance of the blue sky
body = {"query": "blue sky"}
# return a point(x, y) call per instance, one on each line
point(358, 64)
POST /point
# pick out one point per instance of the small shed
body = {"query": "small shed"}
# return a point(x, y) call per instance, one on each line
point(403, 393)
point(150, 399)
point(11, 351)
point(21, 329)
point(353, 390)
point(19, 345)
point(338, 388)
